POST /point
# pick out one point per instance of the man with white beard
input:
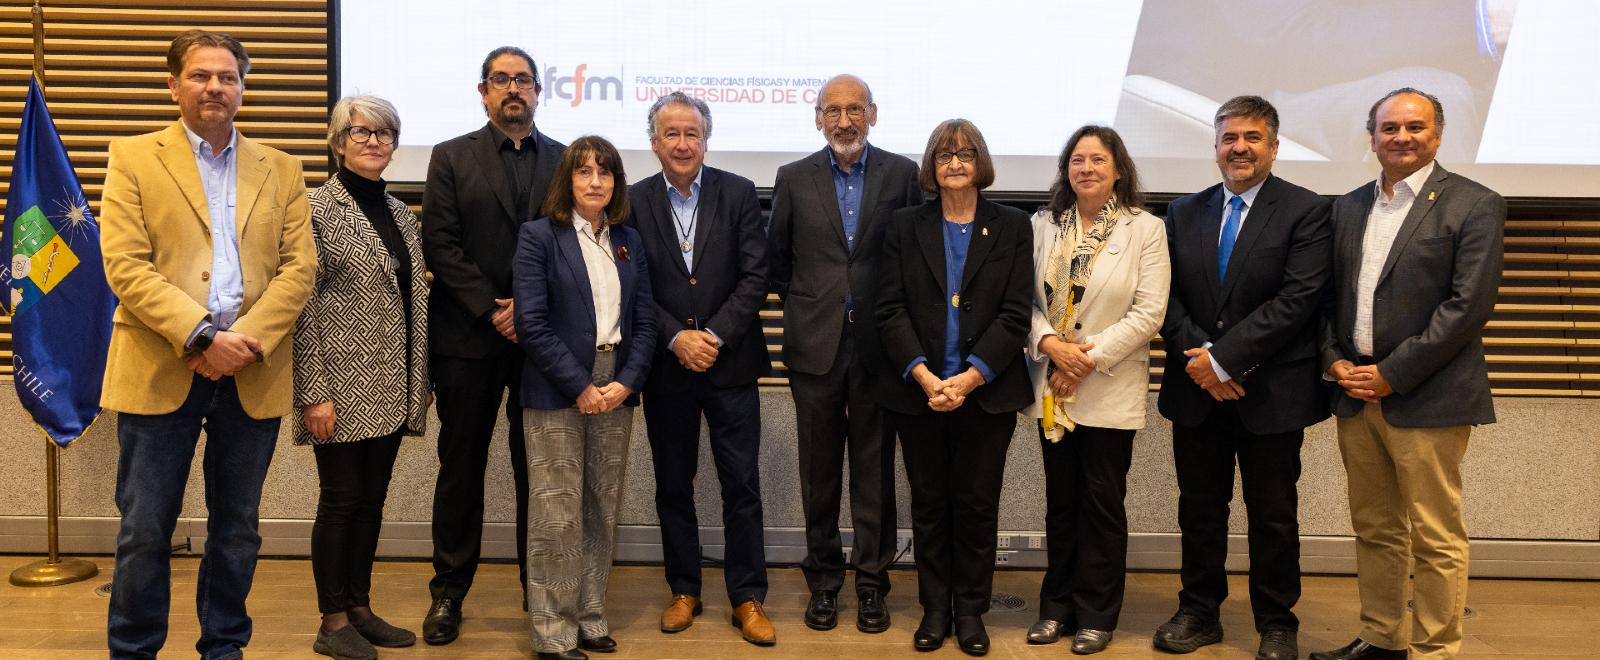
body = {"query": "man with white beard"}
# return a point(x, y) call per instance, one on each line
point(829, 211)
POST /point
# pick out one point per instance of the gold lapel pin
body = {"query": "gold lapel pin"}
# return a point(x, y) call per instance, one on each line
point(1432, 194)
point(985, 231)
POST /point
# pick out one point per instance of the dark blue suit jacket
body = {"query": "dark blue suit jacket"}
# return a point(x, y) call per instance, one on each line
point(555, 314)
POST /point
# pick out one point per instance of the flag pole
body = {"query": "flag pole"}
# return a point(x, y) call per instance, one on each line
point(53, 570)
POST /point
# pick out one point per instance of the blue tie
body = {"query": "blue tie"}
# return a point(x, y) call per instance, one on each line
point(1230, 233)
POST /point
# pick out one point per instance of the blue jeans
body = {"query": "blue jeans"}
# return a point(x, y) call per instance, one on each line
point(152, 471)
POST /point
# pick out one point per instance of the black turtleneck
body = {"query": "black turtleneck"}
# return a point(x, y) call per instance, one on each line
point(374, 203)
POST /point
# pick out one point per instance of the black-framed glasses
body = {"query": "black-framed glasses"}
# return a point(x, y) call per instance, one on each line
point(502, 81)
point(360, 135)
point(964, 155)
point(856, 113)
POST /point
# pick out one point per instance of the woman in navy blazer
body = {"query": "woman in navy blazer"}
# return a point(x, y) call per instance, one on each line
point(585, 320)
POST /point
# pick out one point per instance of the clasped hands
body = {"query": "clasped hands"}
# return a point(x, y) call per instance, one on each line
point(228, 353)
point(1360, 382)
point(946, 394)
point(1072, 362)
point(605, 398)
point(696, 349)
point(1201, 372)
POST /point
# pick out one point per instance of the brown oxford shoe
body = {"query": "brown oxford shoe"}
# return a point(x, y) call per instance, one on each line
point(680, 613)
point(752, 621)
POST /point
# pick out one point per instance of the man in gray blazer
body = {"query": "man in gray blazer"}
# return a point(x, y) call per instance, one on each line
point(829, 210)
point(1417, 259)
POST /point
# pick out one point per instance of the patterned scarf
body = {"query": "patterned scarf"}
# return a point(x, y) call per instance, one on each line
point(1068, 270)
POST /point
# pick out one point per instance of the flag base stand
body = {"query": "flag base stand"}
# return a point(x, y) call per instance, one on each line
point(48, 573)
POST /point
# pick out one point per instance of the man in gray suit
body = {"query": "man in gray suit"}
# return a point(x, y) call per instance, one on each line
point(829, 210)
point(1417, 259)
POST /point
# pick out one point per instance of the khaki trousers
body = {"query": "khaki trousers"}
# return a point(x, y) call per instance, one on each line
point(1405, 506)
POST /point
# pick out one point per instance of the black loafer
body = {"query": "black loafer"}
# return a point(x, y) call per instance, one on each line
point(1278, 644)
point(1360, 650)
point(1187, 631)
point(822, 612)
point(872, 615)
point(1044, 631)
point(931, 632)
point(443, 623)
point(601, 644)
point(569, 654)
point(971, 635)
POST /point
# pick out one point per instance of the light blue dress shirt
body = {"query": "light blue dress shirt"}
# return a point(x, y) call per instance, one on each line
point(220, 179)
point(685, 217)
point(1249, 197)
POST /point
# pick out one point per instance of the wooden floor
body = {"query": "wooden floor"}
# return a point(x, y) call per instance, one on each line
point(1511, 618)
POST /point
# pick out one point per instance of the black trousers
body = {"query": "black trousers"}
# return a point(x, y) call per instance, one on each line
point(1086, 526)
point(470, 394)
point(1269, 466)
point(955, 465)
point(672, 421)
point(354, 482)
point(835, 412)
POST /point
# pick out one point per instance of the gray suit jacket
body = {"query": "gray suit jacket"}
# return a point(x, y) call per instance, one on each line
point(812, 270)
point(1436, 291)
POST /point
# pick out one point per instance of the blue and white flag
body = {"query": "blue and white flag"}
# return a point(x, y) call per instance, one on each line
point(55, 283)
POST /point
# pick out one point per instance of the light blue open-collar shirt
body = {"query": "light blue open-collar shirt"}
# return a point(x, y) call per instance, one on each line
point(219, 176)
point(687, 208)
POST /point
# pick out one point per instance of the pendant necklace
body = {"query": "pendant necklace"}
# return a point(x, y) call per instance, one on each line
point(685, 236)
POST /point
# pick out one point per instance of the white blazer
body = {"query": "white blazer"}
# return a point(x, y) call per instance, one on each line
point(1122, 308)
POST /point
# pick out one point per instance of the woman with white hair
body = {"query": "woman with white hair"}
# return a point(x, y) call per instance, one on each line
point(361, 368)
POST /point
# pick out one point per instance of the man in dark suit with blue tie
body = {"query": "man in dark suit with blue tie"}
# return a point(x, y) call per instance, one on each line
point(702, 228)
point(1250, 259)
point(829, 211)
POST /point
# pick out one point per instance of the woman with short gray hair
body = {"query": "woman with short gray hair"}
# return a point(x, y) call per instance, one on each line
point(361, 368)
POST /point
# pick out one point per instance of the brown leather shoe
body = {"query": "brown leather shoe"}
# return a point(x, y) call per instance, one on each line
point(751, 620)
point(680, 613)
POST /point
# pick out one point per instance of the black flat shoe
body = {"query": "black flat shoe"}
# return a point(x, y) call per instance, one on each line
point(601, 644)
point(569, 654)
point(931, 632)
point(1360, 650)
point(971, 635)
point(822, 611)
point(443, 623)
point(383, 634)
point(872, 615)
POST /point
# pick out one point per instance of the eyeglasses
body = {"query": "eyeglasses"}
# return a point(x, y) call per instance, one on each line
point(360, 135)
point(856, 113)
point(964, 155)
point(502, 81)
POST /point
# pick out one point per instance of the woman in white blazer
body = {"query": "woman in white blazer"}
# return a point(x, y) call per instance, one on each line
point(1100, 291)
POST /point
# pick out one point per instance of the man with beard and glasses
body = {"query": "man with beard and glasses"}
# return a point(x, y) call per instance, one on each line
point(481, 187)
point(1250, 258)
point(829, 210)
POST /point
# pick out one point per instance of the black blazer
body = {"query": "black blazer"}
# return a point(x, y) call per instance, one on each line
point(1438, 286)
point(723, 293)
point(1260, 317)
point(812, 267)
point(469, 235)
point(996, 304)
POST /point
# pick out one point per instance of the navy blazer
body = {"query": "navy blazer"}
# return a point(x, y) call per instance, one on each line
point(555, 314)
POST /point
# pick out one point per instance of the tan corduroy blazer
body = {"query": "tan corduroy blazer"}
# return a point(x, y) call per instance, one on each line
point(156, 240)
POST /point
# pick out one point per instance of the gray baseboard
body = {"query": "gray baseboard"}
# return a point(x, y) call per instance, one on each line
point(786, 545)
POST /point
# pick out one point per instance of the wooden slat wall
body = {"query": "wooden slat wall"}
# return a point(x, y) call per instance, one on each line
point(106, 73)
point(107, 78)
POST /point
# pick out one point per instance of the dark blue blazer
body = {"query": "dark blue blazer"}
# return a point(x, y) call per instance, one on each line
point(555, 314)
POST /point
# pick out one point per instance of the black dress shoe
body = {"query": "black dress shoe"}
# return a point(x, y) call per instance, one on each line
point(822, 612)
point(1360, 650)
point(601, 644)
point(569, 654)
point(971, 636)
point(931, 632)
point(443, 622)
point(872, 615)
point(1278, 644)
point(1186, 631)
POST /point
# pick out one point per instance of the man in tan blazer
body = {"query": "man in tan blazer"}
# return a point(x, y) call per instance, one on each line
point(207, 243)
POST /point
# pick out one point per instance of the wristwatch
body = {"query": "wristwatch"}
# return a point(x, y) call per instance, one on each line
point(203, 340)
